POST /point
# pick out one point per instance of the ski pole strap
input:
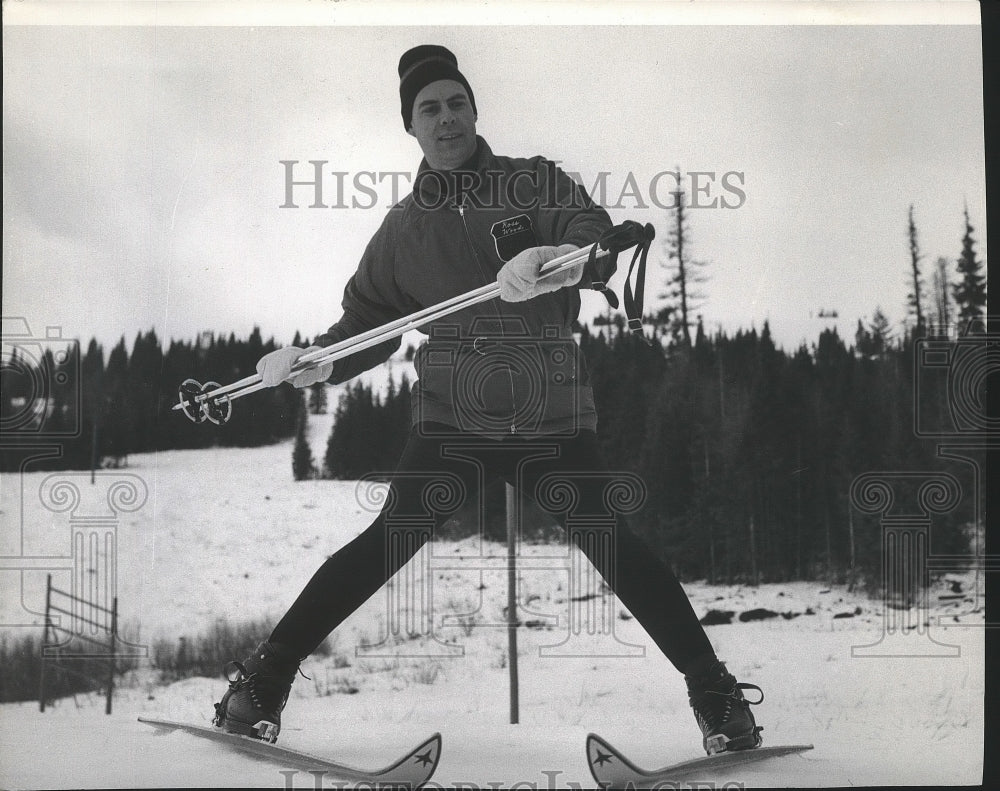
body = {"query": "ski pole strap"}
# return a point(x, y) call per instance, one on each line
point(634, 302)
point(615, 240)
point(599, 273)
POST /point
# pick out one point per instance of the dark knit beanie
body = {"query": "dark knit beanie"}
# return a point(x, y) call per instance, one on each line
point(420, 67)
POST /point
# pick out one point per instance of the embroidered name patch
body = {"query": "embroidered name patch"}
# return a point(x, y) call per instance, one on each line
point(512, 236)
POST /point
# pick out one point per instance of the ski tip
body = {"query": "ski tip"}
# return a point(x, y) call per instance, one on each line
point(597, 741)
point(427, 754)
point(593, 740)
point(599, 752)
point(434, 740)
point(153, 721)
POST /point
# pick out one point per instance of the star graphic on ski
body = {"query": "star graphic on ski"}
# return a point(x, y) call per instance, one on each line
point(424, 758)
point(602, 758)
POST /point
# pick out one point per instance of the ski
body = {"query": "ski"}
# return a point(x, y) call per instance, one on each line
point(410, 772)
point(611, 769)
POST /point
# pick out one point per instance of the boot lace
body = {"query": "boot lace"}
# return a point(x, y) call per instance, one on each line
point(714, 707)
point(268, 691)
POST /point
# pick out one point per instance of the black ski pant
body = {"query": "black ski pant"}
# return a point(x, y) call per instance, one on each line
point(567, 477)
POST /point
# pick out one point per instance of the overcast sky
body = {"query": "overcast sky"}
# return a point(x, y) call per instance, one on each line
point(142, 180)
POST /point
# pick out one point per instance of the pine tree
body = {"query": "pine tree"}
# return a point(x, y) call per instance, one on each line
point(970, 291)
point(875, 339)
point(942, 294)
point(354, 447)
point(145, 367)
point(915, 297)
point(303, 467)
point(318, 398)
point(118, 415)
point(881, 331)
point(91, 378)
point(684, 274)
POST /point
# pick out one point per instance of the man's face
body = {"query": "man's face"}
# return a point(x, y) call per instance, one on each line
point(444, 124)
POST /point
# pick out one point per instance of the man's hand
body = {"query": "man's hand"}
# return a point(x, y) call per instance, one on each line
point(519, 278)
point(276, 367)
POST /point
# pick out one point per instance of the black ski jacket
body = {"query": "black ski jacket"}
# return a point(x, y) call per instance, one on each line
point(497, 367)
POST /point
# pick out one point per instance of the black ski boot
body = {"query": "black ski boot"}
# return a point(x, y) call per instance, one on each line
point(723, 714)
point(258, 690)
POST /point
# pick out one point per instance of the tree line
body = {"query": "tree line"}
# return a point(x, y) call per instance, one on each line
point(747, 452)
point(99, 409)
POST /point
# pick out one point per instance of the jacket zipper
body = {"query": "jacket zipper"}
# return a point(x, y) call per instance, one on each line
point(483, 271)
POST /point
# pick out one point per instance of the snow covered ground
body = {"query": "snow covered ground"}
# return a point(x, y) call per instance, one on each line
point(227, 534)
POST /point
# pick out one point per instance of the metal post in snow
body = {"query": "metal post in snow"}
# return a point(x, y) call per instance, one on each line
point(512, 601)
point(93, 449)
point(111, 651)
point(45, 640)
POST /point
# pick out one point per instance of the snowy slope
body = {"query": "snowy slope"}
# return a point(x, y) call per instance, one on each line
point(226, 533)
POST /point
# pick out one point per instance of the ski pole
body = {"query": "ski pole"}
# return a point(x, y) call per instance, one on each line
point(193, 394)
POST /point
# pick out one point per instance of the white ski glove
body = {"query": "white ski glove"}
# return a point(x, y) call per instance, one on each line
point(519, 277)
point(276, 367)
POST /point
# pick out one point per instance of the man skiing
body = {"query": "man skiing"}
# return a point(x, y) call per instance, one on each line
point(481, 408)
